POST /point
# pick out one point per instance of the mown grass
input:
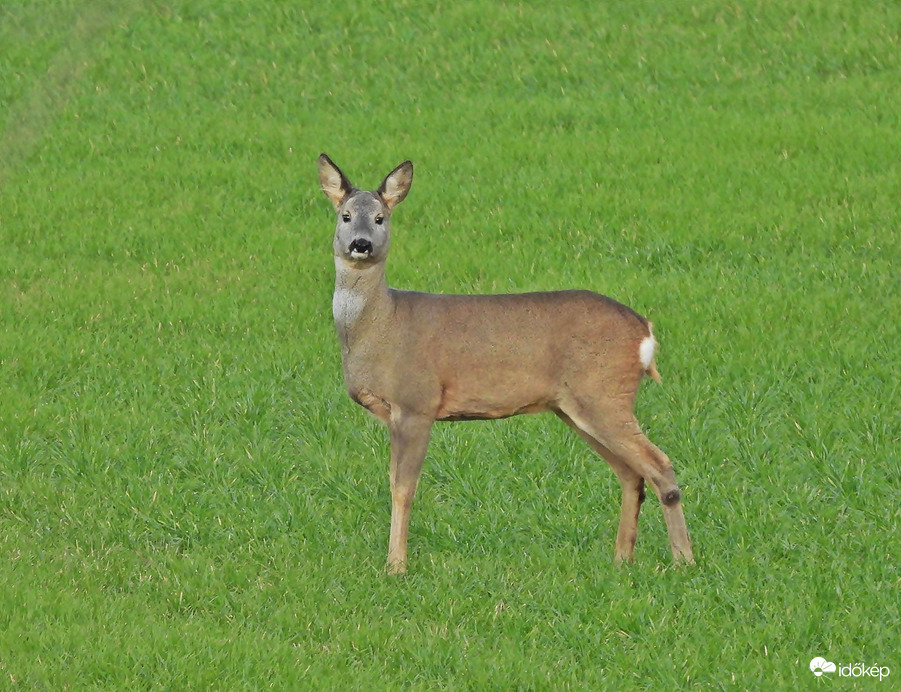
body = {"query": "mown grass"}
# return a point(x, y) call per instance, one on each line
point(188, 500)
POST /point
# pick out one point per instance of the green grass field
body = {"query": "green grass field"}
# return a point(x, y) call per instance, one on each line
point(190, 501)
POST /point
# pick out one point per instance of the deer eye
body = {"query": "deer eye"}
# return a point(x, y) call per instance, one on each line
point(345, 217)
point(379, 220)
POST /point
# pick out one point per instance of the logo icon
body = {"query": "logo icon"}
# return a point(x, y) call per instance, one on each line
point(820, 665)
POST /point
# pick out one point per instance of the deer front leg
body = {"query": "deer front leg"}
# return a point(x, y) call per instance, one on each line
point(409, 440)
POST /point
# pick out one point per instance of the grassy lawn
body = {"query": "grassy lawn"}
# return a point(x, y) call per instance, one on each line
point(190, 501)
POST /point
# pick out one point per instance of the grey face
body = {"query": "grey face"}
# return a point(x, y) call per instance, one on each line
point(362, 233)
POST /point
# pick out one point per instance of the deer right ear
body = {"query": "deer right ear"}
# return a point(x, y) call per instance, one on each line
point(334, 183)
point(396, 186)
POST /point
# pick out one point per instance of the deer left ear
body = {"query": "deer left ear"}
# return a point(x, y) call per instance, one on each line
point(334, 183)
point(396, 186)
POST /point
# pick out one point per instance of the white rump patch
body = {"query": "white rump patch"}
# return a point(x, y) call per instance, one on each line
point(646, 350)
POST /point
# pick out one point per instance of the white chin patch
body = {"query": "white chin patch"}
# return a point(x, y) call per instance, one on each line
point(358, 255)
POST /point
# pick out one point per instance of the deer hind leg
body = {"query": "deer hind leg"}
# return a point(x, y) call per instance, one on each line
point(631, 454)
point(409, 440)
point(633, 494)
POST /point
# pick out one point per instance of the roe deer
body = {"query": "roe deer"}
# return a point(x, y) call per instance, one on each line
point(415, 358)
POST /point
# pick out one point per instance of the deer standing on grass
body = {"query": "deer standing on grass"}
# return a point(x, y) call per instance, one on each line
point(415, 358)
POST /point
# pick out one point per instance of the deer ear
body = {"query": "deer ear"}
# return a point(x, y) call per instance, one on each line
point(334, 183)
point(396, 186)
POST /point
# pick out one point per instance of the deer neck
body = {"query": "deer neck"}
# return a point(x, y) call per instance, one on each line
point(361, 300)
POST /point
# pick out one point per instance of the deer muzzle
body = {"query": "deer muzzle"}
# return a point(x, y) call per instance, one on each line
point(360, 248)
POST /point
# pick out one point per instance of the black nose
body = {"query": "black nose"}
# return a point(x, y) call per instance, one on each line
point(362, 246)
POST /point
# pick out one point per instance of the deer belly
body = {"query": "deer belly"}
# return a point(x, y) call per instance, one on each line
point(456, 405)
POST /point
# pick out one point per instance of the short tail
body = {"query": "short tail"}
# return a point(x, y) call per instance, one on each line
point(646, 354)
